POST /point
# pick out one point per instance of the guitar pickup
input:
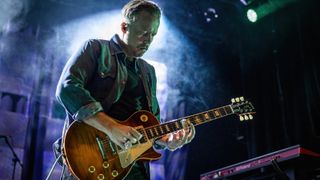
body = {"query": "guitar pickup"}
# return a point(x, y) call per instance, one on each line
point(101, 148)
point(112, 146)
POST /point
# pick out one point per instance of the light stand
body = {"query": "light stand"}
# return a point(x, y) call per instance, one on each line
point(15, 158)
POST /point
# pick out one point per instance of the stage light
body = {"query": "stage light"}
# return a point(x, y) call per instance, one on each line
point(256, 12)
point(252, 15)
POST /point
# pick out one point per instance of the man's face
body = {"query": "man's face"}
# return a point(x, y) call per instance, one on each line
point(140, 33)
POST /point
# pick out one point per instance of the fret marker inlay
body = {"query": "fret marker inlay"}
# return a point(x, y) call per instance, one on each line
point(206, 115)
point(177, 124)
point(216, 113)
point(167, 128)
point(198, 121)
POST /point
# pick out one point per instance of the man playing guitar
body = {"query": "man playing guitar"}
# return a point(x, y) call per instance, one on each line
point(102, 85)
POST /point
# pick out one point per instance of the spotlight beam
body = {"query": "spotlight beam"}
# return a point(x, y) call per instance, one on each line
point(254, 14)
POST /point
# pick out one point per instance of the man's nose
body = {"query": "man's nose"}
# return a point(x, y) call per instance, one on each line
point(148, 39)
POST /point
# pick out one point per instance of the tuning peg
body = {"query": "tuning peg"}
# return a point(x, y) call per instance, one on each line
point(241, 117)
point(241, 98)
point(246, 117)
point(250, 116)
point(233, 100)
point(237, 99)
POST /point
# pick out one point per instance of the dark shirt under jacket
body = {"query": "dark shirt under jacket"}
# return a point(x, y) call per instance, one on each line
point(133, 97)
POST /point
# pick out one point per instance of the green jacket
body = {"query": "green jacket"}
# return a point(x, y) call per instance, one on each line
point(94, 78)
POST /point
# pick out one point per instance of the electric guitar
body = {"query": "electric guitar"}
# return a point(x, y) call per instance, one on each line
point(90, 154)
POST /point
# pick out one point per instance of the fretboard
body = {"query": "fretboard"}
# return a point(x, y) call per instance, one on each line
point(158, 131)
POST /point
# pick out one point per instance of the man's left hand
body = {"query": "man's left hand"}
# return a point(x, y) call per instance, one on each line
point(178, 139)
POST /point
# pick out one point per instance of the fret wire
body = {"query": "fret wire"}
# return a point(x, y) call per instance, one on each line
point(177, 125)
point(197, 119)
point(206, 116)
point(148, 135)
point(181, 123)
point(217, 113)
point(154, 131)
point(161, 129)
point(224, 108)
point(213, 116)
point(157, 132)
point(203, 119)
point(229, 110)
point(173, 126)
point(194, 119)
point(152, 127)
point(167, 128)
point(222, 111)
point(151, 133)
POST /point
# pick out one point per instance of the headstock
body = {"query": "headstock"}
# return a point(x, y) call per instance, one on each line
point(243, 108)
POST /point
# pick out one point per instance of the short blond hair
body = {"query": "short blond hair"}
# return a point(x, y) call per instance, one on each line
point(135, 6)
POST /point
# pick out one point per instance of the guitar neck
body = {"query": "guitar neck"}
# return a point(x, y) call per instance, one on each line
point(158, 131)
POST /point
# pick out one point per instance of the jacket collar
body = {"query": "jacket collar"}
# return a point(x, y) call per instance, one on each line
point(115, 43)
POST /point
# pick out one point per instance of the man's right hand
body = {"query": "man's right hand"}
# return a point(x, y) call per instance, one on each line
point(122, 135)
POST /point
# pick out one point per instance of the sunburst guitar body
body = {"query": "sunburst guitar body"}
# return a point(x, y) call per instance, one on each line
point(90, 154)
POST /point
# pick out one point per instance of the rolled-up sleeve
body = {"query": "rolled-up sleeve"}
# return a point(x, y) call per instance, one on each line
point(71, 92)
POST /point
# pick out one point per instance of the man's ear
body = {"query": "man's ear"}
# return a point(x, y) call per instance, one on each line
point(124, 27)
